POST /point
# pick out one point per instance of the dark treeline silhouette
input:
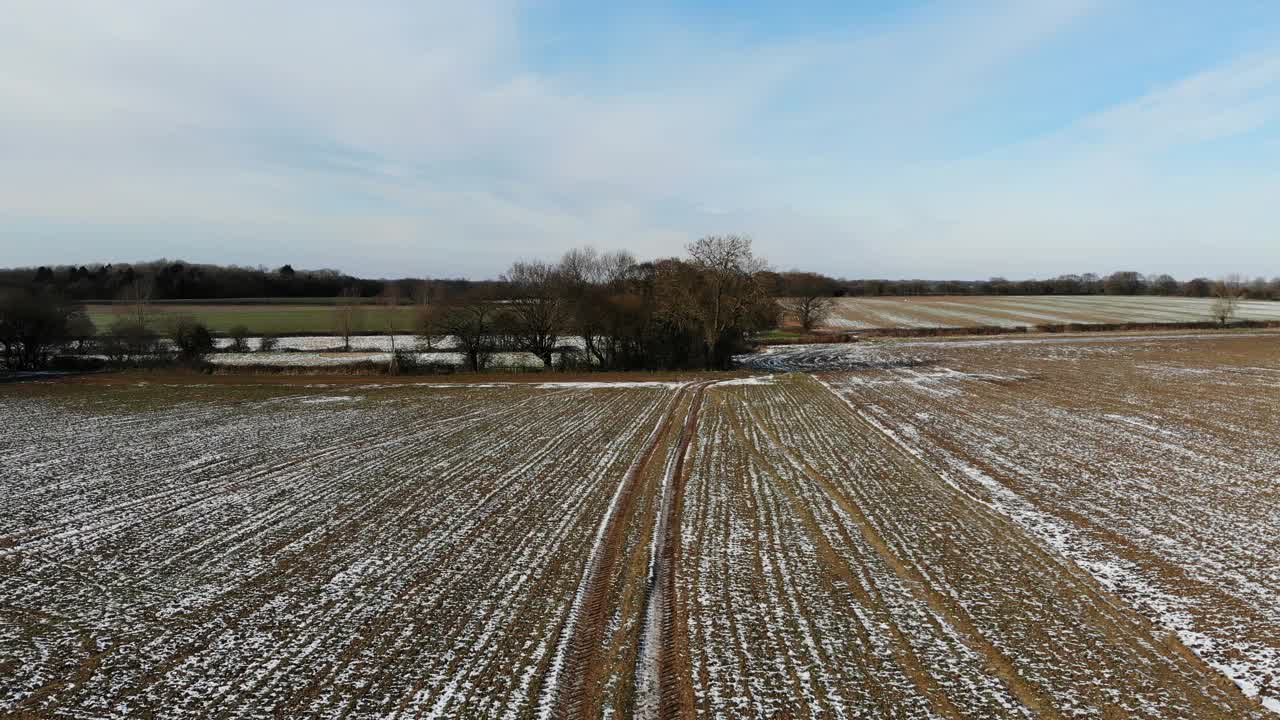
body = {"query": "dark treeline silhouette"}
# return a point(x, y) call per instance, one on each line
point(36, 326)
point(178, 280)
point(794, 284)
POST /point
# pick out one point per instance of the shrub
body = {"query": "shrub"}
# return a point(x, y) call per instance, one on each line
point(192, 339)
point(268, 343)
point(572, 358)
point(239, 339)
point(403, 361)
point(130, 340)
point(35, 327)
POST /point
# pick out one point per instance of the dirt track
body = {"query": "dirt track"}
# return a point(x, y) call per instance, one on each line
point(662, 669)
point(575, 689)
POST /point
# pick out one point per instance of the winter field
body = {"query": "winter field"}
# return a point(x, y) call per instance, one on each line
point(292, 317)
point(1057, 527)
point(270, 315)
point(1026, 311)
point(320, 351)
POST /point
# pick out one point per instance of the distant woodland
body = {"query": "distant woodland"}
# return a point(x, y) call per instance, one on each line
point(178, 280)
point(697, 310)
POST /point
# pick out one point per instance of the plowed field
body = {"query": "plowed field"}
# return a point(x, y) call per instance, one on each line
point(1062, 529)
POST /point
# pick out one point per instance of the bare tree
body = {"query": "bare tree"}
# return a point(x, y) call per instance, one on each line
point(603, 308)
point(1124, 282)
point(1162, 284)
point(126, 340)
point(617, 267)
point(389, 299)
point(537, 309)
point(239, 335)
point(1227, 293)
point(727, 289)
point(581, 266)
point(33, 328)
point(81, 332)
point(192, 339)
point(622, 310)
point(134, 300)
point(809, 310)
point(346, 316)
point(810, 301)
point(581, 274)
point(473, 324)
point(1258, 289)
point(424, 316)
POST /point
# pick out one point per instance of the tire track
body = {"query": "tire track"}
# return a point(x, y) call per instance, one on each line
point(663, 673)
point(568, 689)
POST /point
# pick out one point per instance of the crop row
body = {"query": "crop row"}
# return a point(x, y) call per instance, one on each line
point(831, 574)
point(1151, 464)
point(912, 312)
point(249, 551)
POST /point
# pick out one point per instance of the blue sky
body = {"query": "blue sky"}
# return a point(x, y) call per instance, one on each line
point(923, 139)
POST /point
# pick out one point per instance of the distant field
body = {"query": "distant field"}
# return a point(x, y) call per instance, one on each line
point(327, 301)
point(315, 316)
point(267, 317)
point(1025, 311)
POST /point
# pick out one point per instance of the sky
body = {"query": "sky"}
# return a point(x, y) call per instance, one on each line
point(965, 140)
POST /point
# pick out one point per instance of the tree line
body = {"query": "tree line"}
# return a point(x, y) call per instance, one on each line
point(589, 309)
point(612, 311)
point(178, 280)
point(809, 298)
point(1125, 282)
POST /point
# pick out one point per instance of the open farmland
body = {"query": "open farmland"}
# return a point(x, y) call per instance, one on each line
point(296, 318)
point(261, 318)
point(1029, 310)
point(1058, 528)
point(318, 351)
point(303, 550)
point(1150, 462)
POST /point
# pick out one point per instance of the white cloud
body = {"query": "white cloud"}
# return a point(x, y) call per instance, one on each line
point(225, 114)
point(1241, 96)
point(420, 137)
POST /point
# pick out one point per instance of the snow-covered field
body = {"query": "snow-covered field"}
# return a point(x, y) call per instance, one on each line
point(1024, 311)
point(1150, 462)
point(339, 359)
point(359, 343)
point(1053, 527)
point(328, 351)
point(308, 551)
